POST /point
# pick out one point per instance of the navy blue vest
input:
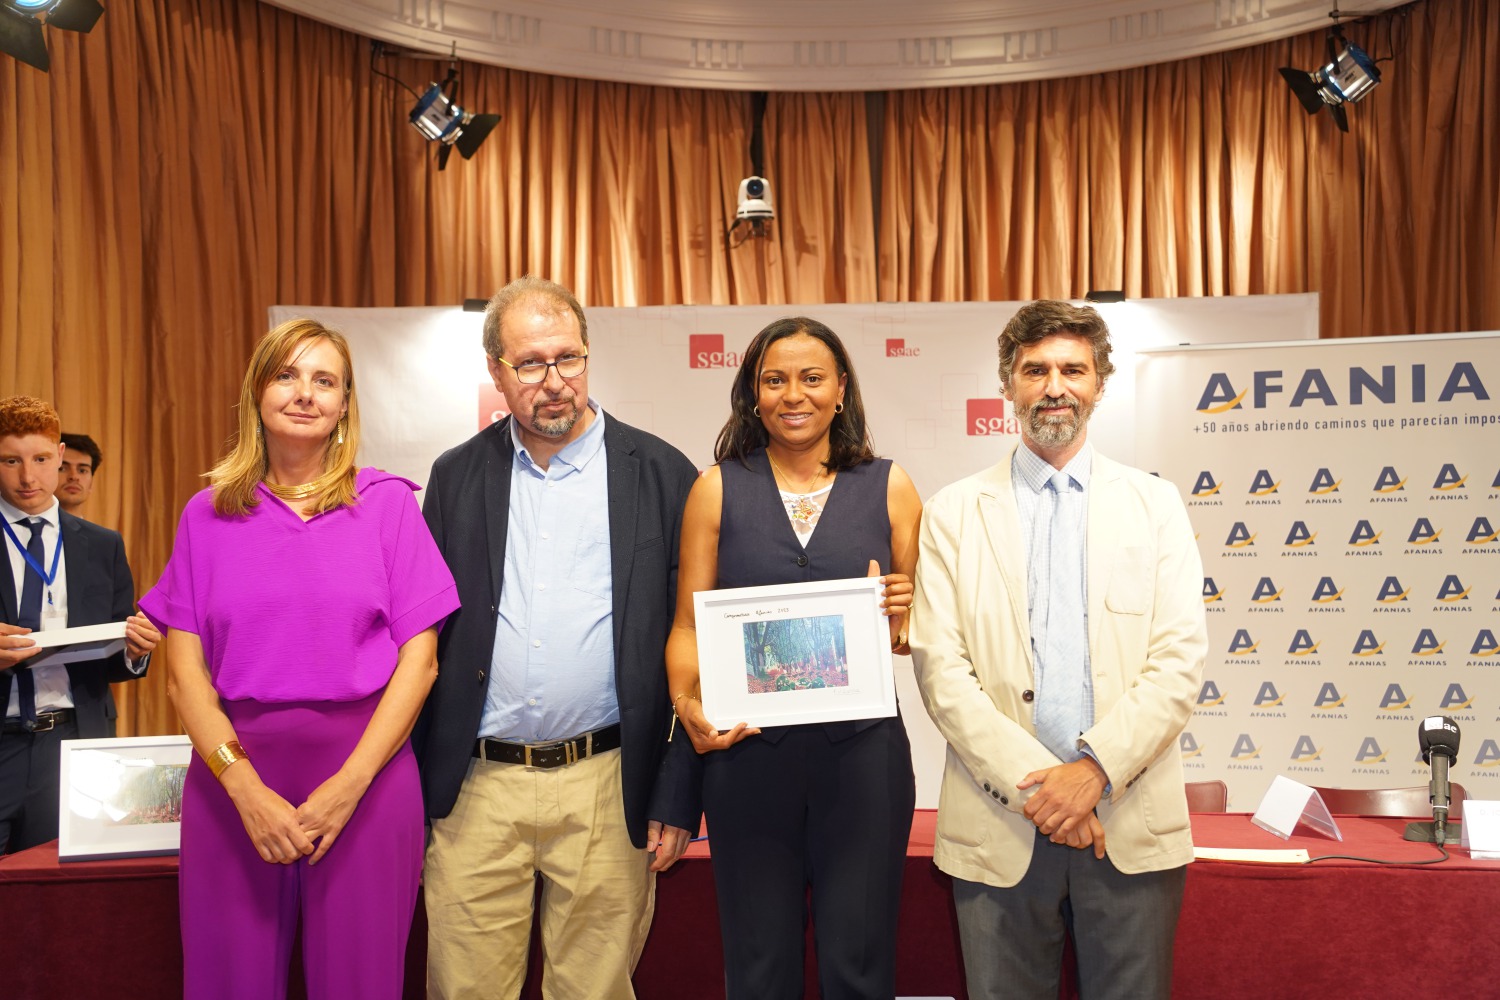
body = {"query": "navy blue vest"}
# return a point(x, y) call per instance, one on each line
point(758, 546)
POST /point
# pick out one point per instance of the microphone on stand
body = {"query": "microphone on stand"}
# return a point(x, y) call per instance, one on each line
point(1437, 736)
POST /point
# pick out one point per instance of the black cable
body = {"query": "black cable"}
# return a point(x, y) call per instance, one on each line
point(376, 51)
point(1382, 861)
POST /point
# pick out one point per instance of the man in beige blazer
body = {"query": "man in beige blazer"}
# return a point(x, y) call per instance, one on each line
point(1058, 635)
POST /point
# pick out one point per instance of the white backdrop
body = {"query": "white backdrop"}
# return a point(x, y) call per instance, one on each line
point(927, 372)
point(1346, 495)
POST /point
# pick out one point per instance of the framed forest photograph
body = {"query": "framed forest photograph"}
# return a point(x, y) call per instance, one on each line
point(121, 797)
point(793, 654)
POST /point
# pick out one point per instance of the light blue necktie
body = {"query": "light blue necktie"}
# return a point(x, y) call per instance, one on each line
point(1063, 700)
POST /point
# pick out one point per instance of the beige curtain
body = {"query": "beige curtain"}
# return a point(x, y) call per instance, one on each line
point(192, 162)
point(1205, 177)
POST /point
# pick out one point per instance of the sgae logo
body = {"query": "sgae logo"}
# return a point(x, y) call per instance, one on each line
point(492, 405)
point(1323, 482)
point(1263, 485)
point(706, 350)
point(1205, 486)
point(987, 417)
point(1220, 395)
point(896, 348)
point(1448, 478)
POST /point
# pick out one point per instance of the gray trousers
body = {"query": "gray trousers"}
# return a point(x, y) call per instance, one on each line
point(1123, 928)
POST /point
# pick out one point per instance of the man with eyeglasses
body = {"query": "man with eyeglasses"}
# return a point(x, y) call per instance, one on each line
point(544, 745)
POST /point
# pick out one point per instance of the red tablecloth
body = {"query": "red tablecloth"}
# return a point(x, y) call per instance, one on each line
point(1333, 929)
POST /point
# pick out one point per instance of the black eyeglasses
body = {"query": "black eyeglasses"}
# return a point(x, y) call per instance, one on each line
point(532, 372)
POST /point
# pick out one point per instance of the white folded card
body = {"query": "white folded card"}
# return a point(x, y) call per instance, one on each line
point(1287, 804)
point(1481, 829)
point(71, 645)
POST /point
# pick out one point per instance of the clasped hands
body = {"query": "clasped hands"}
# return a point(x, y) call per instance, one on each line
point(896, 601)
point(1062, 807)
point(283, 834)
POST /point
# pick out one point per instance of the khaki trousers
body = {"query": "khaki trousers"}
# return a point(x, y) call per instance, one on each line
point(511, 827)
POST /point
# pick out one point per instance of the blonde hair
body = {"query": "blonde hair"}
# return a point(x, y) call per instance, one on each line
point(237, 475)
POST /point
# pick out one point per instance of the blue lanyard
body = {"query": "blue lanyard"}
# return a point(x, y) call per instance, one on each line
point(47, 578)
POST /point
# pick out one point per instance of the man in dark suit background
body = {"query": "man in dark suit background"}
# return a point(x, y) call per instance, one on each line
point(544, 746)
point(61, 571)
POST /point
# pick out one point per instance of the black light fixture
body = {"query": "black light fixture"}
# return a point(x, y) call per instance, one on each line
point(437, 115)
point(1347, 77)
point(475, 305)
point(21, 24)
point(1102, 296)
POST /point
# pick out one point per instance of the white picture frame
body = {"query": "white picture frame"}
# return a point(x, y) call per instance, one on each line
point(828, 660)
point(121, 797)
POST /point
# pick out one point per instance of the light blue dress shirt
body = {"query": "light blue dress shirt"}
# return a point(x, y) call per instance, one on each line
point(552, 671)
point(1029, 475)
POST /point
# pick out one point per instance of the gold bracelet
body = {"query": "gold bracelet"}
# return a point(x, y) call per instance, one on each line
point(685, 694)
point(900, 640)
point(224, 755)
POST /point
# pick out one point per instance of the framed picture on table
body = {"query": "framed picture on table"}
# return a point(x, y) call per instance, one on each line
point(121, 797)
point(794, 654)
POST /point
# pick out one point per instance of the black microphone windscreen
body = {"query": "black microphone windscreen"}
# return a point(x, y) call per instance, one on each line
point(1438, 734)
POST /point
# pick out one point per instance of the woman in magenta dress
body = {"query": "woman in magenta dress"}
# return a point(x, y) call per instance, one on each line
point(301, 606)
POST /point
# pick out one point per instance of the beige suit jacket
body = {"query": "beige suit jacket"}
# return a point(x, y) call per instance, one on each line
point(971, 643)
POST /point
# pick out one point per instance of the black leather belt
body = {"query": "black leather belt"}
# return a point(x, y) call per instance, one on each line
point(556, 754)
point(45, 721)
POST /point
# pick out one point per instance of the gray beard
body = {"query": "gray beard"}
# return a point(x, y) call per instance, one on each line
point(1056, 431)
point(557, 426)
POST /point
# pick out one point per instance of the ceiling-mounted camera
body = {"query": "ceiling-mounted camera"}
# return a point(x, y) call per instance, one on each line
point(755, 199)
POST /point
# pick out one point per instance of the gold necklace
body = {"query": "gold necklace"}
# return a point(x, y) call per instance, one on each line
point(291, 494)
point(782, 472)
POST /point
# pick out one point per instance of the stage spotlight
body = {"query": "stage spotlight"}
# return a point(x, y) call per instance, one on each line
point(440, 120)
point(1349, 75)
point(21, 25)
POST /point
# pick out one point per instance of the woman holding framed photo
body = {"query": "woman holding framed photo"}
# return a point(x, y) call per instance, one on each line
point(797, 495)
